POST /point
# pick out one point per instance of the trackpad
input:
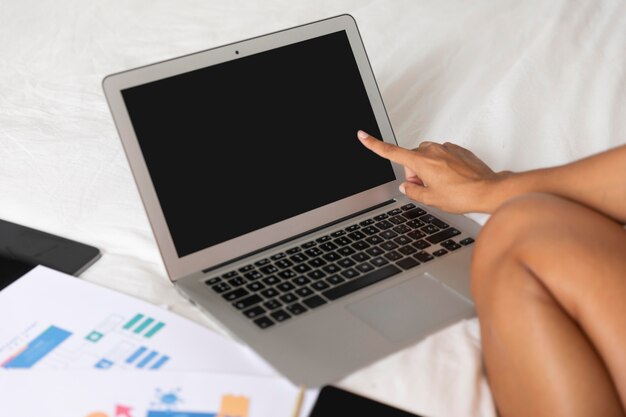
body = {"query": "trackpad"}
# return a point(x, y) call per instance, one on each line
point(417, 307)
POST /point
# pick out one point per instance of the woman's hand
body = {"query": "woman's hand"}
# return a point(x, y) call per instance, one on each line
point(446, 176)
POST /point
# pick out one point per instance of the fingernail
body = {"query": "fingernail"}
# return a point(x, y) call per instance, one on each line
point(362, 135)
point(402, 190)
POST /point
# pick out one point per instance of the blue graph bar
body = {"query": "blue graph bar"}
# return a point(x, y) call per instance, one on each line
point(132, 358)
point(177, 413)
point(39, 347)
point(147, 359)
point(160, 362)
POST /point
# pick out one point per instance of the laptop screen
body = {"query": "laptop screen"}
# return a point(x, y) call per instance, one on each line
point(247, 143)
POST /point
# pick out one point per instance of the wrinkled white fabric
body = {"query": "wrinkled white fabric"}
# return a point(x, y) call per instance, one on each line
point(522, 84)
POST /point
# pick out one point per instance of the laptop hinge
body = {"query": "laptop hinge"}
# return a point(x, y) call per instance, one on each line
point(324, 226)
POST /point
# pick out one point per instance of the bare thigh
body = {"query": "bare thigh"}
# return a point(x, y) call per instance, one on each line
point(549, 281)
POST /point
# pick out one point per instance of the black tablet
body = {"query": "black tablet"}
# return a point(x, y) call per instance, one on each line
point(336, 402)
point(22, 248)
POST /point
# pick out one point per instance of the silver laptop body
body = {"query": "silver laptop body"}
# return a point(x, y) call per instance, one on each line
point(258, 193)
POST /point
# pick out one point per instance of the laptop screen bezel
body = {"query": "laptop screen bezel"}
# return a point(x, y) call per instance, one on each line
point(178, 267)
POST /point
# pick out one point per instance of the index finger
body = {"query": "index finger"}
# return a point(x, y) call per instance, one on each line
point(386, 150)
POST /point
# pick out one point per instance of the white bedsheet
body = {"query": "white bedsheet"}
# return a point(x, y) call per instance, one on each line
point(522, 84)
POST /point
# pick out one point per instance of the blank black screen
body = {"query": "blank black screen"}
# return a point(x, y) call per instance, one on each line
point(241, 145)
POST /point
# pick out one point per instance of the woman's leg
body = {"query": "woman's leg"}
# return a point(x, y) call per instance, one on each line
point(549, 282)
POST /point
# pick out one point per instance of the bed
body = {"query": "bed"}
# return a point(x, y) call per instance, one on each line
point(522, 84)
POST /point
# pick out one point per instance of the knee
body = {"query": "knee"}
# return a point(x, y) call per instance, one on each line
point(508, 230)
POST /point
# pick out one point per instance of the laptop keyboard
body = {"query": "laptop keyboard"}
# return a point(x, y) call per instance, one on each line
point(304, 277)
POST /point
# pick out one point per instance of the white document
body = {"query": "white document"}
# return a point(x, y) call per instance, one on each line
point(144, 394)
point(52, 320)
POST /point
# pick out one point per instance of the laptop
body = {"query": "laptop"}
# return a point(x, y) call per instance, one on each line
point(269, 213)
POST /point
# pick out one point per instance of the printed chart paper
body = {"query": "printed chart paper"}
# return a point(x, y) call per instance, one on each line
point(144, 394)
point(56, 321)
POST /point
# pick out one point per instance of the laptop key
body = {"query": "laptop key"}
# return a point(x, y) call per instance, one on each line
point(269, 293)
point(328, 246)
point(296, 309)
point(346, 250)
point(301, 281)
point(466, 241)
point(304, 292)
point(233, 295)
point(237, 281)
point(335, 279)
point(279, 255)
point(352, 228)
point(394, 212)
point(283, 263)
point(423, 256)
point(247, 302)
point(253, 275)
point(314, 302)
point(320, 285)
point(397, 219)
point(440, 252)
point(421, 244)
point(407, 250)
point(317, 262)
point(374, 240)
point(323, 239)
point(246, 268)
point(360, 245)
point(375, 251)
point(293, 250)
point(381, 217)
point(302, 268)
point(212, 281)
point(263, 322)
point(255, 286)
point(220, 287)
point(331, 256)
point(262, 262)
point(229, 274)
point(342, 241)
point(288, 298)
point(367, 222)
point(450, 245)
point(331, 269)
point(407, 263)
point(443, 235)
point(402, 240)
point(388, 234)
point(280, 315)
point(393, 255)
point(389, 245)
point(379, 261)
point(412, 214)
point(316, 274)
point(407, 207)
point(402, 229)
point(308, 244)
point(414, 224)
point(313, 252)
point(361, 282)
point(285, 286)
point(346, 262)
point(338, 233)
point(429, 229)
point(286, 274)
point(298, 258)
point(365, 267)
point(272, 304)
point(384, 225)
point(254, 312)
point(268, 269)
point(349, 273)
point(359, 257)
point(358, 235)
point(370, 230)
point(271, 280)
